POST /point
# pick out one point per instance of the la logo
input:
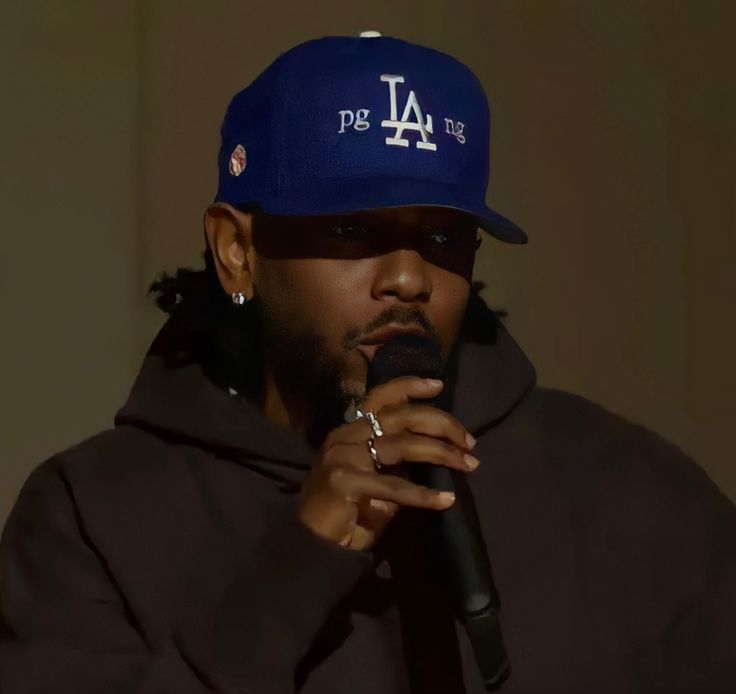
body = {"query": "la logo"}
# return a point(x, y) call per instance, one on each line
point(424, 128)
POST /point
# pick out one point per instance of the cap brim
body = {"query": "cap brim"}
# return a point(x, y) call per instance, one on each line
point(340, 196)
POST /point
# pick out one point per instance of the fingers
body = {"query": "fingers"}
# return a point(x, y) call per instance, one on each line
point(431, 421)
point(416, 418)
point(399, 390)
point(394, 449)
point(417, 448)
point(357, 484)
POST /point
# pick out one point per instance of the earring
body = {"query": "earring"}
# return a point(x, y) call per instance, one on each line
point(238, 298)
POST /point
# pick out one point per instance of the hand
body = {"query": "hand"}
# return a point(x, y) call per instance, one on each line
point(345, 500)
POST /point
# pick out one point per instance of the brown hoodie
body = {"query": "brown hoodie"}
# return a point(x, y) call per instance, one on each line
point(164, 555)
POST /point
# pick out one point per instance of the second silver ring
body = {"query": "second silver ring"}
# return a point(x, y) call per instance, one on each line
point(374, 454)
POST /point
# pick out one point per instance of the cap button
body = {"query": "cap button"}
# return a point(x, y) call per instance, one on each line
point(369, 34)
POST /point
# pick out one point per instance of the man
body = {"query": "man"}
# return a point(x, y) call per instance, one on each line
point(241, 529)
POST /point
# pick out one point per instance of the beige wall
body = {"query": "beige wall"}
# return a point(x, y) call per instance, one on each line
point(613, 147)
point(71, 276)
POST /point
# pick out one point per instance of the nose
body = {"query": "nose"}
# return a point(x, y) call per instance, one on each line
point(402, 274)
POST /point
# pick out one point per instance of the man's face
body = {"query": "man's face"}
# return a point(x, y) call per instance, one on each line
point(326, 285)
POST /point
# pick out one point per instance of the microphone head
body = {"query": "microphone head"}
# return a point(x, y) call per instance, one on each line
point(405, 355)
point(409, 355)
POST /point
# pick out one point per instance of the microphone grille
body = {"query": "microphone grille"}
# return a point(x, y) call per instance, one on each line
point(405, 355)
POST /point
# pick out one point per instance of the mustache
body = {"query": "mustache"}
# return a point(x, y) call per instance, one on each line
point(401, 315)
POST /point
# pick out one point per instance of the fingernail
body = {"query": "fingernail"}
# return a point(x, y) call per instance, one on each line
point(446, 497)
point(471, 461)
point(379, 504)
point(470, 441)
point(434, 382)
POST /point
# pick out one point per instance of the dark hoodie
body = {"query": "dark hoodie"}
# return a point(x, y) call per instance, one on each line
point(164, 555)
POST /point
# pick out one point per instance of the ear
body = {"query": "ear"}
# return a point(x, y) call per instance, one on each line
point(230, 238)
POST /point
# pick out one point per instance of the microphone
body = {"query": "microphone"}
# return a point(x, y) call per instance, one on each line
point(456, 538)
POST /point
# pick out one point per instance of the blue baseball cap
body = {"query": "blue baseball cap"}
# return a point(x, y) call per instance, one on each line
point(343, 124)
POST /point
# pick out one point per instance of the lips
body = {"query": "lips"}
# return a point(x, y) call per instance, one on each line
point(370, 344)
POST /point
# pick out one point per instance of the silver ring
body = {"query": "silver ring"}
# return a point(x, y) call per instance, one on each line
point(374, 454)
point(372, 420)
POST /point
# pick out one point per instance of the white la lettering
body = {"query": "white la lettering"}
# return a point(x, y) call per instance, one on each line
point(357, 119)
point(412, 106)
point(455, 129)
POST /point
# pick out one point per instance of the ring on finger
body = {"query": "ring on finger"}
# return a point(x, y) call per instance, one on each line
point(374, 454)
point(372, 420)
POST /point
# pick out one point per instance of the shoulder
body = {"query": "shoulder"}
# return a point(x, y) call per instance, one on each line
point(621, 472)
point(113, 451)
point(120, 471)
point(48, 517)
point(581, 427)
point(117, 456)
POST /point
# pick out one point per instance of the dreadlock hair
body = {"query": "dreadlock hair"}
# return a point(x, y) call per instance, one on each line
point(194, 297)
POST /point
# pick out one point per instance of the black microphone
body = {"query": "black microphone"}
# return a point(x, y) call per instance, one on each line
point(456, 536)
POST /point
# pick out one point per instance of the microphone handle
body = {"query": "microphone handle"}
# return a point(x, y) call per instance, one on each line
point(462, 554)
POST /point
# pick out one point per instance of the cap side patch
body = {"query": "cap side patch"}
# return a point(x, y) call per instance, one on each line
point(238, 161)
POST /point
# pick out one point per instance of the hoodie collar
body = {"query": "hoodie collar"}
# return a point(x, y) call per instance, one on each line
point(173, 397)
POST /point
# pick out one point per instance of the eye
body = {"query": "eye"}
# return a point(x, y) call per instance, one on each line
point(443, 237)
point(350, 232)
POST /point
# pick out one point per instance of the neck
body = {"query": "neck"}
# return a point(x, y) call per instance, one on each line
point(282, 406)
point(300, 409)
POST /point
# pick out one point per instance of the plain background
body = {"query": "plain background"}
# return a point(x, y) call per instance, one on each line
point(613, 146)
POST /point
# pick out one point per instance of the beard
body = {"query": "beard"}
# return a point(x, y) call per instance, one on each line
point(305, 371)
point(310, 378)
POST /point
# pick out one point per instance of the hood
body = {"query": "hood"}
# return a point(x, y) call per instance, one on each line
point(174, 398)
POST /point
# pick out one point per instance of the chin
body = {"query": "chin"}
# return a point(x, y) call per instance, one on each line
point(353, 388)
